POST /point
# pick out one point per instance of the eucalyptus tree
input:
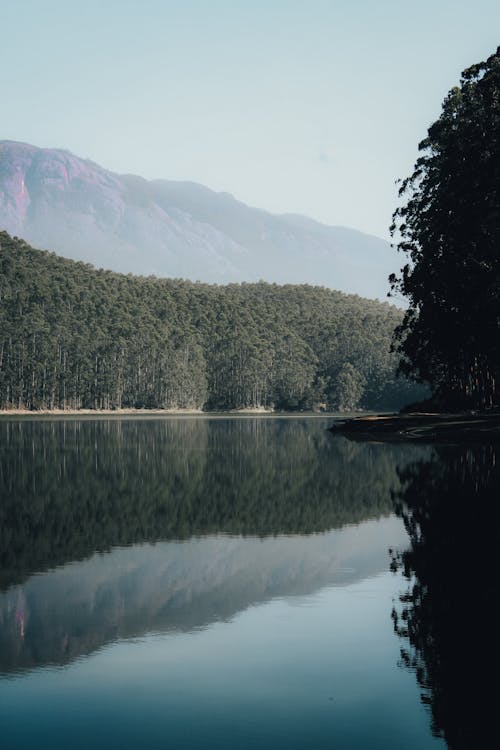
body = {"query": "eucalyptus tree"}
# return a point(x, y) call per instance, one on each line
point(449, 228)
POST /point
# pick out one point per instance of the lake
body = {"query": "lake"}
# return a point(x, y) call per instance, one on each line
point(243, 582)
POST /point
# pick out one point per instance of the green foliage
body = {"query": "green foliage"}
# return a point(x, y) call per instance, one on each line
point(349, 388)
point(450, 230)
point(73, 337)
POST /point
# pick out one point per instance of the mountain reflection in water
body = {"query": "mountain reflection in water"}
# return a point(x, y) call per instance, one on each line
point(112, 530)
point(447, 616)
point(73, 489)
point(173, 587)
point(225, 582)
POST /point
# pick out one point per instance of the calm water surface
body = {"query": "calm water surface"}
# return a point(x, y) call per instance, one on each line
point(242, 583)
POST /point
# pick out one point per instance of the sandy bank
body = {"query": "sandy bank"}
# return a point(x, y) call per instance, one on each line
point(96, 412)
point(157, 413)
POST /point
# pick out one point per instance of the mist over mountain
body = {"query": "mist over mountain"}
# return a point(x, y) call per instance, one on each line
point(58, 201)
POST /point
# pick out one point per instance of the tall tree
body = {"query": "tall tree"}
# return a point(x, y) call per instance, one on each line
point(449, 228)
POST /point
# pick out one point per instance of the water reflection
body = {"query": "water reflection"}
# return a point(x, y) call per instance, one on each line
point(176, 587)
point(204, 583)
point(446, 618)
point(70, 488)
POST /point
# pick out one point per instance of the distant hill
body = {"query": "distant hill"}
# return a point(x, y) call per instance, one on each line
point(125, 223)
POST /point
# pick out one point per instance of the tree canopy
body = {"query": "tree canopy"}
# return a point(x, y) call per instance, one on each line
point(449, 228)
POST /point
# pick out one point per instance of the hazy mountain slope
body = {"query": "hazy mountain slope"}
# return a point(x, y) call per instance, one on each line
point(179, 229)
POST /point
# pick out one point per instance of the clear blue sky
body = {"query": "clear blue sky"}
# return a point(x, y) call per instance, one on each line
point(310, 106)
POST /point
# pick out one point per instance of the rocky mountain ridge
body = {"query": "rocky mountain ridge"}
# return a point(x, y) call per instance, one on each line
point(58, 201)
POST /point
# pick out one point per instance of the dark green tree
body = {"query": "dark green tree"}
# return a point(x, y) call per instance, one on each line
point(449, 228)
point(349, 388)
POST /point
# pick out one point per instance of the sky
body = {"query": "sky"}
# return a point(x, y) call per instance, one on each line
point(305, 106)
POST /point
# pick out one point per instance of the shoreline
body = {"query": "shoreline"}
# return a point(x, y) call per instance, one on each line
point(89, 412)
point(460, 427)
point(157, 413)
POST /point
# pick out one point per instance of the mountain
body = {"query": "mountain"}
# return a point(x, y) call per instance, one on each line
point(56, 200)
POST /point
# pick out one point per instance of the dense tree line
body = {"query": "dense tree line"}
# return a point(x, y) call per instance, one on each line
point(449, 228)
point(75, 337)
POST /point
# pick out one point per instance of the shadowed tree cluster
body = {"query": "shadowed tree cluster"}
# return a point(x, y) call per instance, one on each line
point(449, 228)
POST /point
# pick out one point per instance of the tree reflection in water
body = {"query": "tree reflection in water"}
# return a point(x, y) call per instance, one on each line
point(73, 487)
point(450, 506)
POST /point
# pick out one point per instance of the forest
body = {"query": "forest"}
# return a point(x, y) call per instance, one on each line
point(74, 337)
